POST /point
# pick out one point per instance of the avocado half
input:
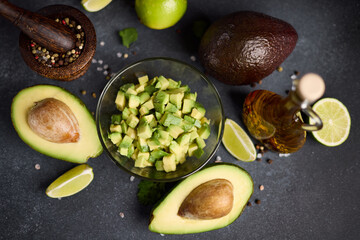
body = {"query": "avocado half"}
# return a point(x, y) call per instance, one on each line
point(165, 218)
point(88, 144)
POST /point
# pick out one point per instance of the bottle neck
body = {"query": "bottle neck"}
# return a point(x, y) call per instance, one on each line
point(289, 106)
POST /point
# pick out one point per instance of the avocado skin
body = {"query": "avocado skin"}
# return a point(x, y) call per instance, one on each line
point(245, 47)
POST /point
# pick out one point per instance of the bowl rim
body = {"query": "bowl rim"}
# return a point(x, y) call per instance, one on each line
point(108, 85)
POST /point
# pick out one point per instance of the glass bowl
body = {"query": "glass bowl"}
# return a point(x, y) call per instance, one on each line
point(179, 71)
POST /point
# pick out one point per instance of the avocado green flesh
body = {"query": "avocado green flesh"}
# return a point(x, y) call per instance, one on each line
point(165, 218)
point(79, 152)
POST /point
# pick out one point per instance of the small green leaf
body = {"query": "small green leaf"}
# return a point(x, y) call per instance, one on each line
point(128, 35)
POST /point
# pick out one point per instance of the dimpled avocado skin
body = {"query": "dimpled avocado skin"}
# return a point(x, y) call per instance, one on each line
point(245, 47)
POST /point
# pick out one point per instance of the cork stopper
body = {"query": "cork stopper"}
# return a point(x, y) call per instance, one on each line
point(310, 87)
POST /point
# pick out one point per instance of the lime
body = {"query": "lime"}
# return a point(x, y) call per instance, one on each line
point(71, 182)
point(336, 122)
point(160, 14)
point(237, 142)
point(94, 5)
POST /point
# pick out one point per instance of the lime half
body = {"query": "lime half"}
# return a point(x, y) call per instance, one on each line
point(94, 5)
point(237, 142)
point(336, 122)
point(71, 182)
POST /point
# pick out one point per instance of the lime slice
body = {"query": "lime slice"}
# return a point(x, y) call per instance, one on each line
point(237, 142)
point(94, 5)
point(336, 122)
point(71, 182)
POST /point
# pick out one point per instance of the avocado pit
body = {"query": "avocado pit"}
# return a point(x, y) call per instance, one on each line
point(53, 120)
point(210, 200)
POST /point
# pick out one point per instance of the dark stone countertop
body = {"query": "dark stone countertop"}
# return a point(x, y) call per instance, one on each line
point(313, 194)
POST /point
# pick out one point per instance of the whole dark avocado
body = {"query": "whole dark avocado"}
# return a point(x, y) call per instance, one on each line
point(245, 47)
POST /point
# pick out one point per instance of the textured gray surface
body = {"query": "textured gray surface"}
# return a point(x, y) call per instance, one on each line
point(313, 194)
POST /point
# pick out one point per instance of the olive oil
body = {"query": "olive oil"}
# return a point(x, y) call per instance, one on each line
point(276, 121)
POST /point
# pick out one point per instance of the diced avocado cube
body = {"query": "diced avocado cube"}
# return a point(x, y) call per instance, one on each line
point(134, 111)
point(149, 118)
point(134, 101)
point(130, 91)
point(124, 126)
point(143, 145)
point(120, 100)
point(149, 104)
point(126, 142)
point(198, 152)
point(171, 108)
point(188, 105)
point(169, 119)
point(205, 120)
point(116, 118)
point(139, 88)
point(193, 135)
point(158, 115)
point(169, 163)
point(131, 150)
point(162, 83)
point(135, 154)
point(150, 89)
point(160, 100)
point(159, 165)
point(178, 113)
point(200, 142)
point(143, 79)
point(179, 151)
point(144, 96)
point(142, 160)
point(189, 119)
point(176, 99)
point(191, 96)
point(184, 88)
point(173, 84)
point(131, 132)
point(153, 144)
point(157, 154)
point(115, 138)
point(153, 81)
point(125, 113)
point(192, 148)
point(204, 131)
point(186, 126)
point(115, 128)
point(197, 123)
point(144, 110)
point(195, 113)
point(164, 138)
point(124, 151)
point(126, 86)
point(132, 121)
point(183, 139)
point(175, 131)
point(144, 130)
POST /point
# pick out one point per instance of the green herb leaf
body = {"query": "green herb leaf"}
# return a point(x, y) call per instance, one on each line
point(128, 35)
point(150, 192)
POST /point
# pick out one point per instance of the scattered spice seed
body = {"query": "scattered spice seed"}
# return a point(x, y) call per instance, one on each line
point(126, 55)
point(132, 178)
point(260, 82)
point(99, 69)
point(162, 234)
point(102, 43)
point(93, 95)
point(133, 52)
point(92, 113)
point(193, 58)
point(257, 201)
point(293, 76)
point(257, 146)
point(249, 204)
point(258, 159)
point(296, 73)
point(269, 161)
point(119, 54)
point(279, 69)
point(83, 92)
point(261, 187)
point(121, 214)
point(37, 166)
point(218, 158)
point(100, 61)
point(106, 66)
point(259, 155)
point(105, 73)
point(287, 91)
point(253, 85)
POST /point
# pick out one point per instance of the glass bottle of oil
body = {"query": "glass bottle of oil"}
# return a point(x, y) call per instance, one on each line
point(276, 121)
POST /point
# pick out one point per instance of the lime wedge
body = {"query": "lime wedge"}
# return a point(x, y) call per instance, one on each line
point(336, 122)
point(94, 5)
point(237, 142)
point(71, 182)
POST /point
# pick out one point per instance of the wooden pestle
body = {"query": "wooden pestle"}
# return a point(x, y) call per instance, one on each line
point(47, 32)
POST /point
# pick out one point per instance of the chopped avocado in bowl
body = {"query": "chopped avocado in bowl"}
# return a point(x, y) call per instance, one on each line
point(160, 119)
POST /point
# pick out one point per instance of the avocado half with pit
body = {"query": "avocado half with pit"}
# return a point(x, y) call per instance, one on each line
point(207, 200)
point(56, 123)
